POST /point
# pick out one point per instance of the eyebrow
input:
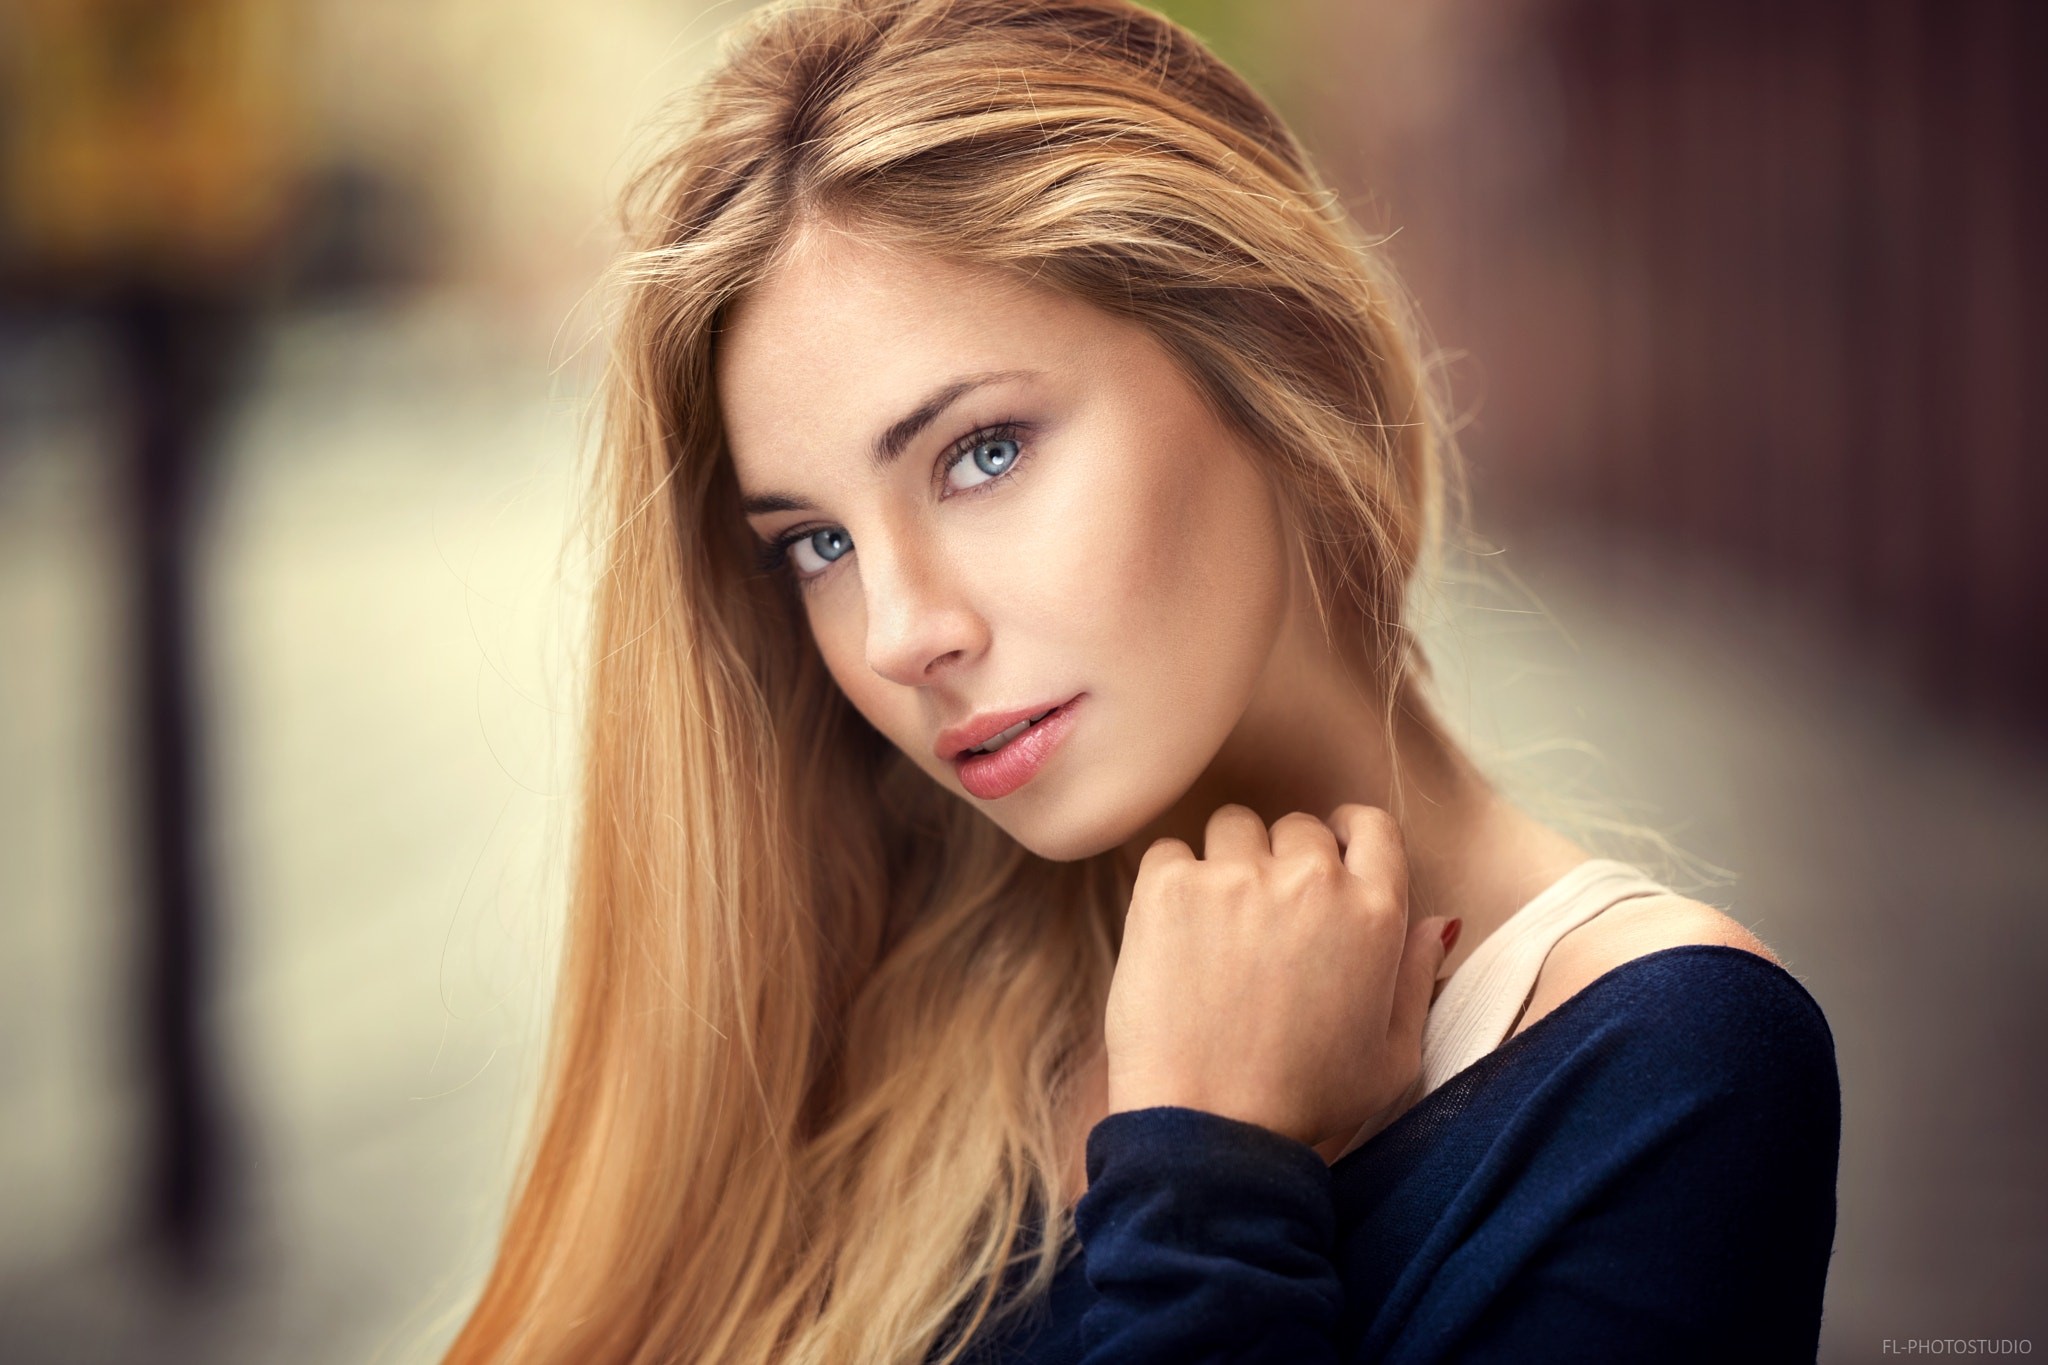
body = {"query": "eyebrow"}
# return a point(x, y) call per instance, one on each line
point(896, 438)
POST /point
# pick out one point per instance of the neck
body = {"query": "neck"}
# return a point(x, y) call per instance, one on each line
point(1313, 738)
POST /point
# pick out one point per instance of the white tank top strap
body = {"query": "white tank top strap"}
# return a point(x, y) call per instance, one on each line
point(1485, 996)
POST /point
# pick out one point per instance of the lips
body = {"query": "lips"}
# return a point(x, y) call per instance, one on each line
point(992, 776)
point(1002, 737)
point(953, 743)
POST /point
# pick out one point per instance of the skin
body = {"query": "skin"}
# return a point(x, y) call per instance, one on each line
point(1284, 931)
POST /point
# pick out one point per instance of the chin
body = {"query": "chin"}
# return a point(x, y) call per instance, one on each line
point(1058, 843)
point(1068, 830)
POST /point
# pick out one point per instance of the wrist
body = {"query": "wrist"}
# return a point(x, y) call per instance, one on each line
point(1124, 1099)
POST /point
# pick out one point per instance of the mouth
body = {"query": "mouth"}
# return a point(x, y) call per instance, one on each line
point(993, 731)
point(1019, 750)
point(1003, 737)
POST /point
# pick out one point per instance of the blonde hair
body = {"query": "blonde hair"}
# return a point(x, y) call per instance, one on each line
point(819, 1018)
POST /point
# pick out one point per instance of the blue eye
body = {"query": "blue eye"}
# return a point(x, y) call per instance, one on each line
point(990, 456)
point(826, 544)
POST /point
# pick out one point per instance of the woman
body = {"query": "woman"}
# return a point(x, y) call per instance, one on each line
point(1018, 847)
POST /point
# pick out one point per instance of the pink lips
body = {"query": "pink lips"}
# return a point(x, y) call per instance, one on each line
point(990, 776)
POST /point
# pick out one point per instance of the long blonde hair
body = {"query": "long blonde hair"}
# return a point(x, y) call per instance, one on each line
point(819, 1018)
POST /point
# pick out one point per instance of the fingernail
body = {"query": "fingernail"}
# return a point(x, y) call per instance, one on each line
point(1451, 934)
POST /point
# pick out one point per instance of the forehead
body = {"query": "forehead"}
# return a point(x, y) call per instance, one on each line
point(845, 336)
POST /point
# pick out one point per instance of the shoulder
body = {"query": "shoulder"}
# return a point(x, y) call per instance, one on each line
point(1676, 998)
point(1629, 930)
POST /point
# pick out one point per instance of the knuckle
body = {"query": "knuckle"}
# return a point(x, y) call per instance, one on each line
point(1171, 878)
point(1308, 872)
point(1376, 900)
point(1234, 878)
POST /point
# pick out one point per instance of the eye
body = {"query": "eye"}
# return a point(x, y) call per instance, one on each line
point(823, 545)
point(990, 455)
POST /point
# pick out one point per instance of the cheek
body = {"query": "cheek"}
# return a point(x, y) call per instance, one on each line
point(1179, 578)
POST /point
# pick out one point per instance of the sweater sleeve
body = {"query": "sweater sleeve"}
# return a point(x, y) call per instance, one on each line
point(1682, 1199)
point(1208, 1239)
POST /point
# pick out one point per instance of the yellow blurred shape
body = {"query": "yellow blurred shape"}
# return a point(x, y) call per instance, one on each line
point(146, 134)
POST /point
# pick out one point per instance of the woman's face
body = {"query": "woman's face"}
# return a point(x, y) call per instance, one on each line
point(999, 500)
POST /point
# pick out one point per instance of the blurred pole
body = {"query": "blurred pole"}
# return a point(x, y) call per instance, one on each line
point(176, 353)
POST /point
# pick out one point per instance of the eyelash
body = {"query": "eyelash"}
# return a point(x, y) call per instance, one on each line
point(774, 556)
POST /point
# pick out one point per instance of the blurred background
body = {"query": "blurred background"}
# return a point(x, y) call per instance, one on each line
point(1743, 302)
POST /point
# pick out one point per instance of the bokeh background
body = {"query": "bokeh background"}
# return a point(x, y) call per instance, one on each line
point(1744, 304)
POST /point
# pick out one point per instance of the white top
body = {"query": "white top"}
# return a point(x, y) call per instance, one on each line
point(1486, 995)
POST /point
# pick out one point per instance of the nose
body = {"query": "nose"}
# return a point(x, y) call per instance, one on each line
point(920, 619)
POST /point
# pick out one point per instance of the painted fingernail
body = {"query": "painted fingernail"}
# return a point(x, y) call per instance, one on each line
point(1451, 934)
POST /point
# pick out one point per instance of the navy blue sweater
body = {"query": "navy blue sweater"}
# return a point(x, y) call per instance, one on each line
point(1647, 1173)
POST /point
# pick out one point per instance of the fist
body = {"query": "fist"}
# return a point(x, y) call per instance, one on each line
point(1275, 979)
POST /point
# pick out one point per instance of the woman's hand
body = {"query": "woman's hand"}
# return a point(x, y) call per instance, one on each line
point(1276, 979)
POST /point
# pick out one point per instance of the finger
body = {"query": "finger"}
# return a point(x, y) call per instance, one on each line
point(1301, 835)
point(1234, 831)
point(1162, 851)
point(1422, 957)
point(1372, 842)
